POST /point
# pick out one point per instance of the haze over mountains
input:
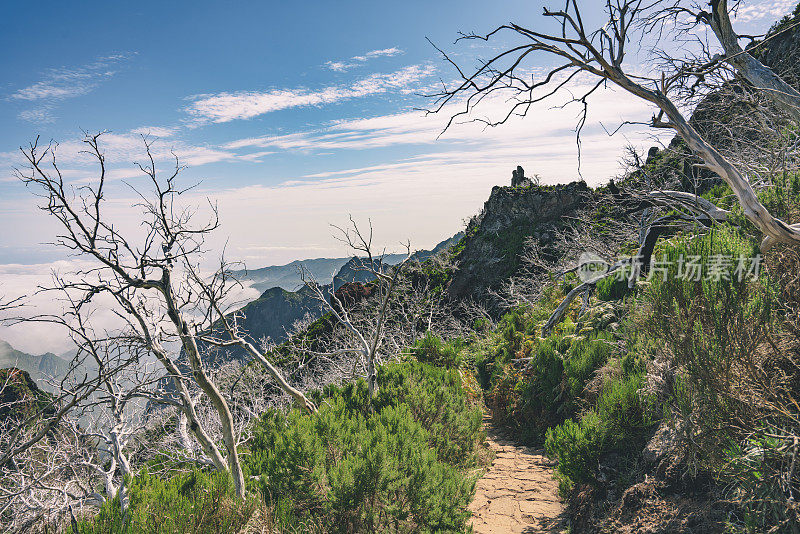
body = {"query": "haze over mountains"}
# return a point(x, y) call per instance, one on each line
point(283, 301)
point(274, 312)
point(288, 276)
point(39, 366)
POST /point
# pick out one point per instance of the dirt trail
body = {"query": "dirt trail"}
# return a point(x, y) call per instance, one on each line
point(518, 493)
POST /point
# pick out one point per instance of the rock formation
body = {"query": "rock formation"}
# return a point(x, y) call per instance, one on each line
point(490, 251)
point(518, 178)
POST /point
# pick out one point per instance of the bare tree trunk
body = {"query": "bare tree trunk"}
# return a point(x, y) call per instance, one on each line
point(189, 343)
point(774, 229)
point(189, 409)
point(758, 74)
point(296, 394)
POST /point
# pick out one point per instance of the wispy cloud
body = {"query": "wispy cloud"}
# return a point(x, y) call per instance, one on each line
point(765, 9)
point(225, 107)
point(40, 115)
point(122, 150)
point(546, 136)
point(356, 61)
point(157, 131)
point(64, 83)
point(417, 128)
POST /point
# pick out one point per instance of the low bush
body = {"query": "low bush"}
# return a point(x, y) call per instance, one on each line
point(401, 462)
point(394, 465)
point(542, 386)
point(432, 349)
point(713, 330)
point(200, 502)
point(438, 401)
point(583, 358)
point(732, 374)
point(577, 446)
point(612, 288)
point(618, 423)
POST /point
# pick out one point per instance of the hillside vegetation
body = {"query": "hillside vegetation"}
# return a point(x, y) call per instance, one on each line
point(667, 393)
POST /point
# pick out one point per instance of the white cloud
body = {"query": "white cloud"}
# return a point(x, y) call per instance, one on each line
point(63, 83)
point(387, 52)
point(338, 66)
point(39, 337)
point(157, 131)
point(121, 152)
point(41, 115)
point(772, 9)
point(225, 107)
point(22, 280)
point(124, 149)
point(416, 128)
point(356, 61)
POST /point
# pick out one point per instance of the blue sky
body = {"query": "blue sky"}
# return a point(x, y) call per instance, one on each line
point(289, 114)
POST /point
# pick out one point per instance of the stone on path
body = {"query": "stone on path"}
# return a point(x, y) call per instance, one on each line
point(518, 493)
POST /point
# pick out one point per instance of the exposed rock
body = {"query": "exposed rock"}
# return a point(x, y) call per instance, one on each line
point(779, 50)
point(41, 367)
point(495, 239)
point(518, 178)
point(19, 396)
point(652, 154)
point(662, 443)
point(358, 270)
point(352, 293)
point(271, 315)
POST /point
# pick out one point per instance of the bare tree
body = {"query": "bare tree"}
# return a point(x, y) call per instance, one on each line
point(88, 446)
point(226, 332)
point(367, 341)
point(154, 282)
point(688, 15)
point(601, 54)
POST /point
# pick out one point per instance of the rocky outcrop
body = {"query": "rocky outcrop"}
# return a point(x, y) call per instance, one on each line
point(780, 48)
point(20, 397)
point(352, 293)
point(518, 178)
point(490, 250)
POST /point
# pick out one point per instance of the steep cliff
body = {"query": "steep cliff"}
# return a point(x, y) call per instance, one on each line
point(490, 251)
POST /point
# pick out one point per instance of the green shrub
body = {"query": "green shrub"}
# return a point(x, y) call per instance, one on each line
point(731, 387)
point(394, 465)
point(432, 349)
point(711, 327)
point(543, 389)
point(583, 358)
point(612, 288)
point(437, 401)
point(481, 325)
point(577, 446)
point(625, 413)
point(619, 423)
point(198, 502)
